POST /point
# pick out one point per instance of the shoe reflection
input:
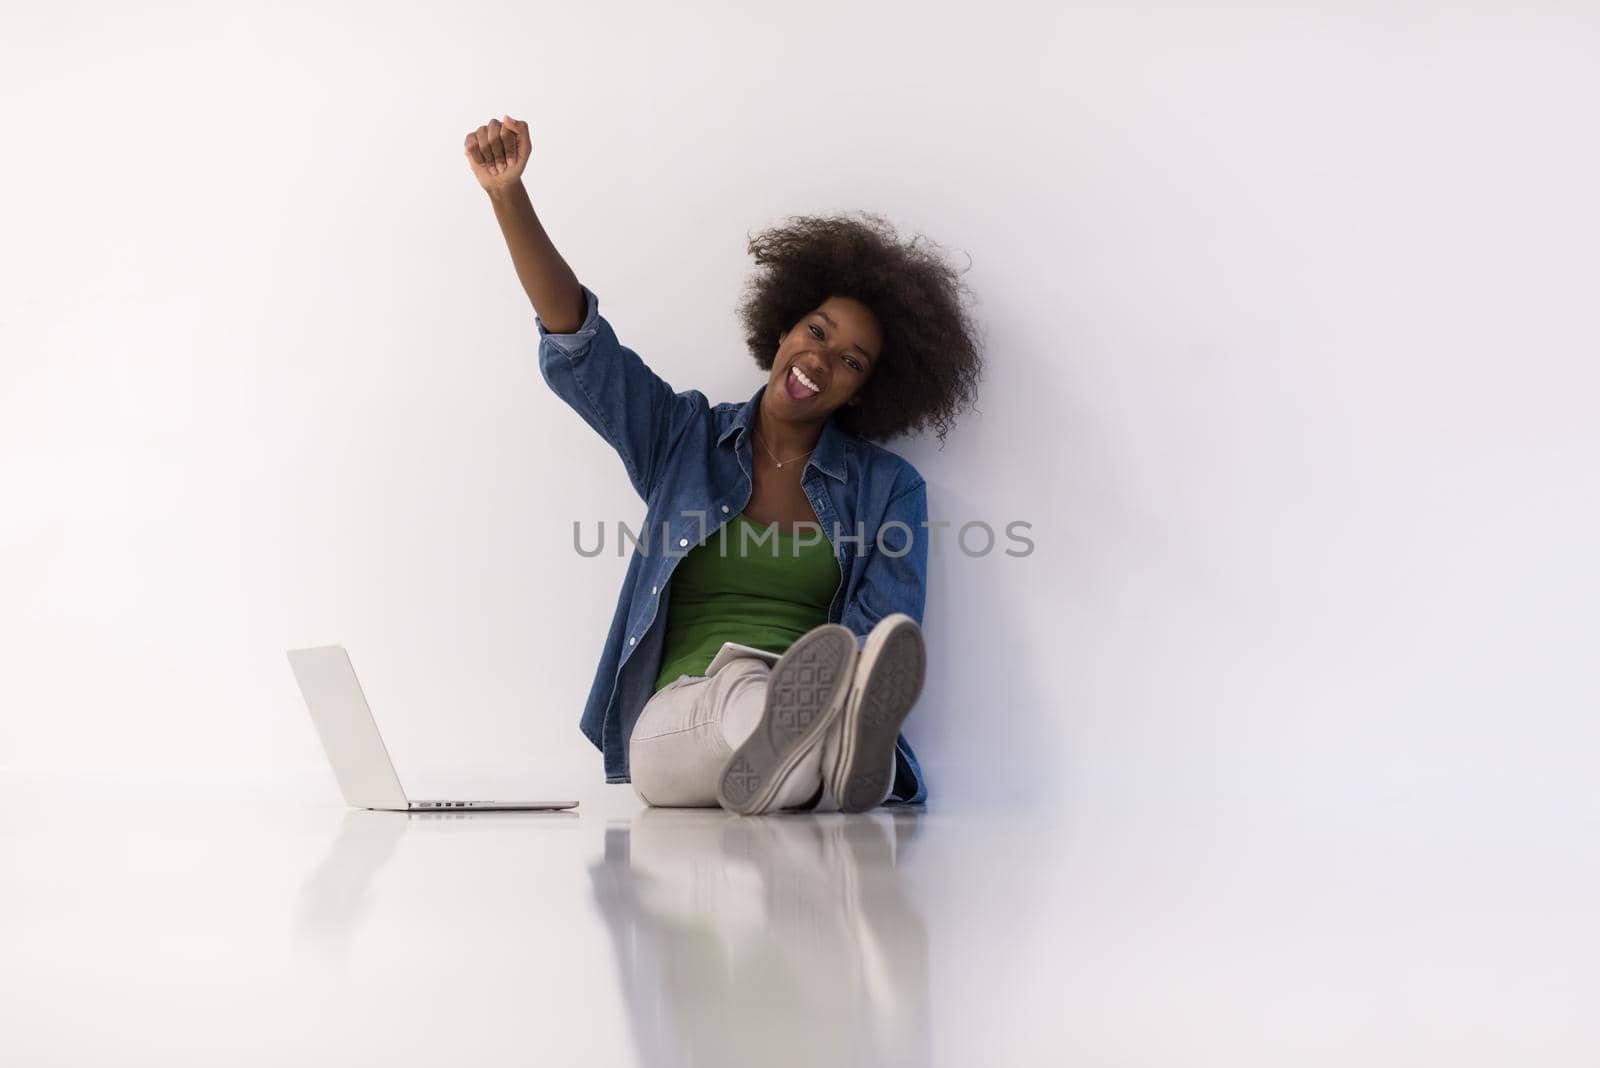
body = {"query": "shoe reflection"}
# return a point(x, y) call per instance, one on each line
point(774, 940)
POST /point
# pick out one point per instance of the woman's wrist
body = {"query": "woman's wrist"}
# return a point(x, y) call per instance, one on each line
point(508, 194)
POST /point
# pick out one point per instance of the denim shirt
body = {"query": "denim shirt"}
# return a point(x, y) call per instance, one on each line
point(690, 461)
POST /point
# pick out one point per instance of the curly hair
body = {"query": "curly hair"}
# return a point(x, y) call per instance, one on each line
point(930, 366)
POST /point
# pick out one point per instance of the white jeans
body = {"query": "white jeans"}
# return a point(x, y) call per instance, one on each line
point(689, 729)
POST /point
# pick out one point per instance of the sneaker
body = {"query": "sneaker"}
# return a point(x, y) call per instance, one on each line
point(806, 690)
point(887, 683)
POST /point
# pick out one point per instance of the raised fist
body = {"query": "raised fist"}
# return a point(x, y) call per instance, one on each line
point(498, 153)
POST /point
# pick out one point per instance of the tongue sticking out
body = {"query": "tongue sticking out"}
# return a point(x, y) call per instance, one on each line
point(795, 388)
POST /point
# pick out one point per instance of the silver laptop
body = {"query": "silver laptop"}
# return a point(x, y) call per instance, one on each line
point(355, 748)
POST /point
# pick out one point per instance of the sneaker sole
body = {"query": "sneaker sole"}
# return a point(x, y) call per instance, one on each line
point(805, 692)
point(891, 677)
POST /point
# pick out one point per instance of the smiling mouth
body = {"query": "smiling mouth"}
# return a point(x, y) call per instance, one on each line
point(798, 385)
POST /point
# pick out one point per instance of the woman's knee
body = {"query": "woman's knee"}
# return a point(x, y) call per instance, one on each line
point(641, 794)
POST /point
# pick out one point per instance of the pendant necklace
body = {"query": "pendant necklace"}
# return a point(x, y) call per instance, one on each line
point(774, 456)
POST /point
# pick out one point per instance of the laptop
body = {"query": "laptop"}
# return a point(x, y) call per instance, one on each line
point(350, 737)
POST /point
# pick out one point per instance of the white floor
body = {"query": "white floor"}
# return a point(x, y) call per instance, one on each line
point(158, 926)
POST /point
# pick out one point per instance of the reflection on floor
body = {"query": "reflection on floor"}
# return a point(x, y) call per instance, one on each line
point(179, 927)
point(788, 935)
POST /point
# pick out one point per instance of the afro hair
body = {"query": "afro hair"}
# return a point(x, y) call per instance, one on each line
point(930, 366)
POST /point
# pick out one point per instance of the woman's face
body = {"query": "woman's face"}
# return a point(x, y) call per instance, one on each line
point(835, 347)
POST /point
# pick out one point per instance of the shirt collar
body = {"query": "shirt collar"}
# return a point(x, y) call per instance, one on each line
point(829, 455)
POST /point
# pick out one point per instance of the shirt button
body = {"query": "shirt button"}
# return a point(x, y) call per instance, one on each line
point(682, 542)
point(724, 508)
point(652, 589)
point(632, 640)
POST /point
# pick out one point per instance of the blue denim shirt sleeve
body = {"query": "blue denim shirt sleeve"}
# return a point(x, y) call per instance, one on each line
point(896, 580)
point(896, 575)
point(629, 405)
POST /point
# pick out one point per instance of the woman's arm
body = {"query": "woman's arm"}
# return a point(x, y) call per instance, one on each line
point(605, 382)
point(896, 575)
point(498, 154)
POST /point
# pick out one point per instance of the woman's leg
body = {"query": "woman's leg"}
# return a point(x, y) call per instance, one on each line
point(858, 759)
point(677, 747)
point(687, 732)
point(778, 763)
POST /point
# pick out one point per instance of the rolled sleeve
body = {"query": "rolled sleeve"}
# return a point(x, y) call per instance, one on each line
point(631, 407)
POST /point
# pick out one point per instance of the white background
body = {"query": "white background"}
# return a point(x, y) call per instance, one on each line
point(1289, 315)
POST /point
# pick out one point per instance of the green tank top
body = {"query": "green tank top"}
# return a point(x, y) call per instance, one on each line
point(764, 593)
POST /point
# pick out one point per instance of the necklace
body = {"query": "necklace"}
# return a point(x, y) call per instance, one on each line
point(774, 455)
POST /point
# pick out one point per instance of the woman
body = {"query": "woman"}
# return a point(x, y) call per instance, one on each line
point(862, 339)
